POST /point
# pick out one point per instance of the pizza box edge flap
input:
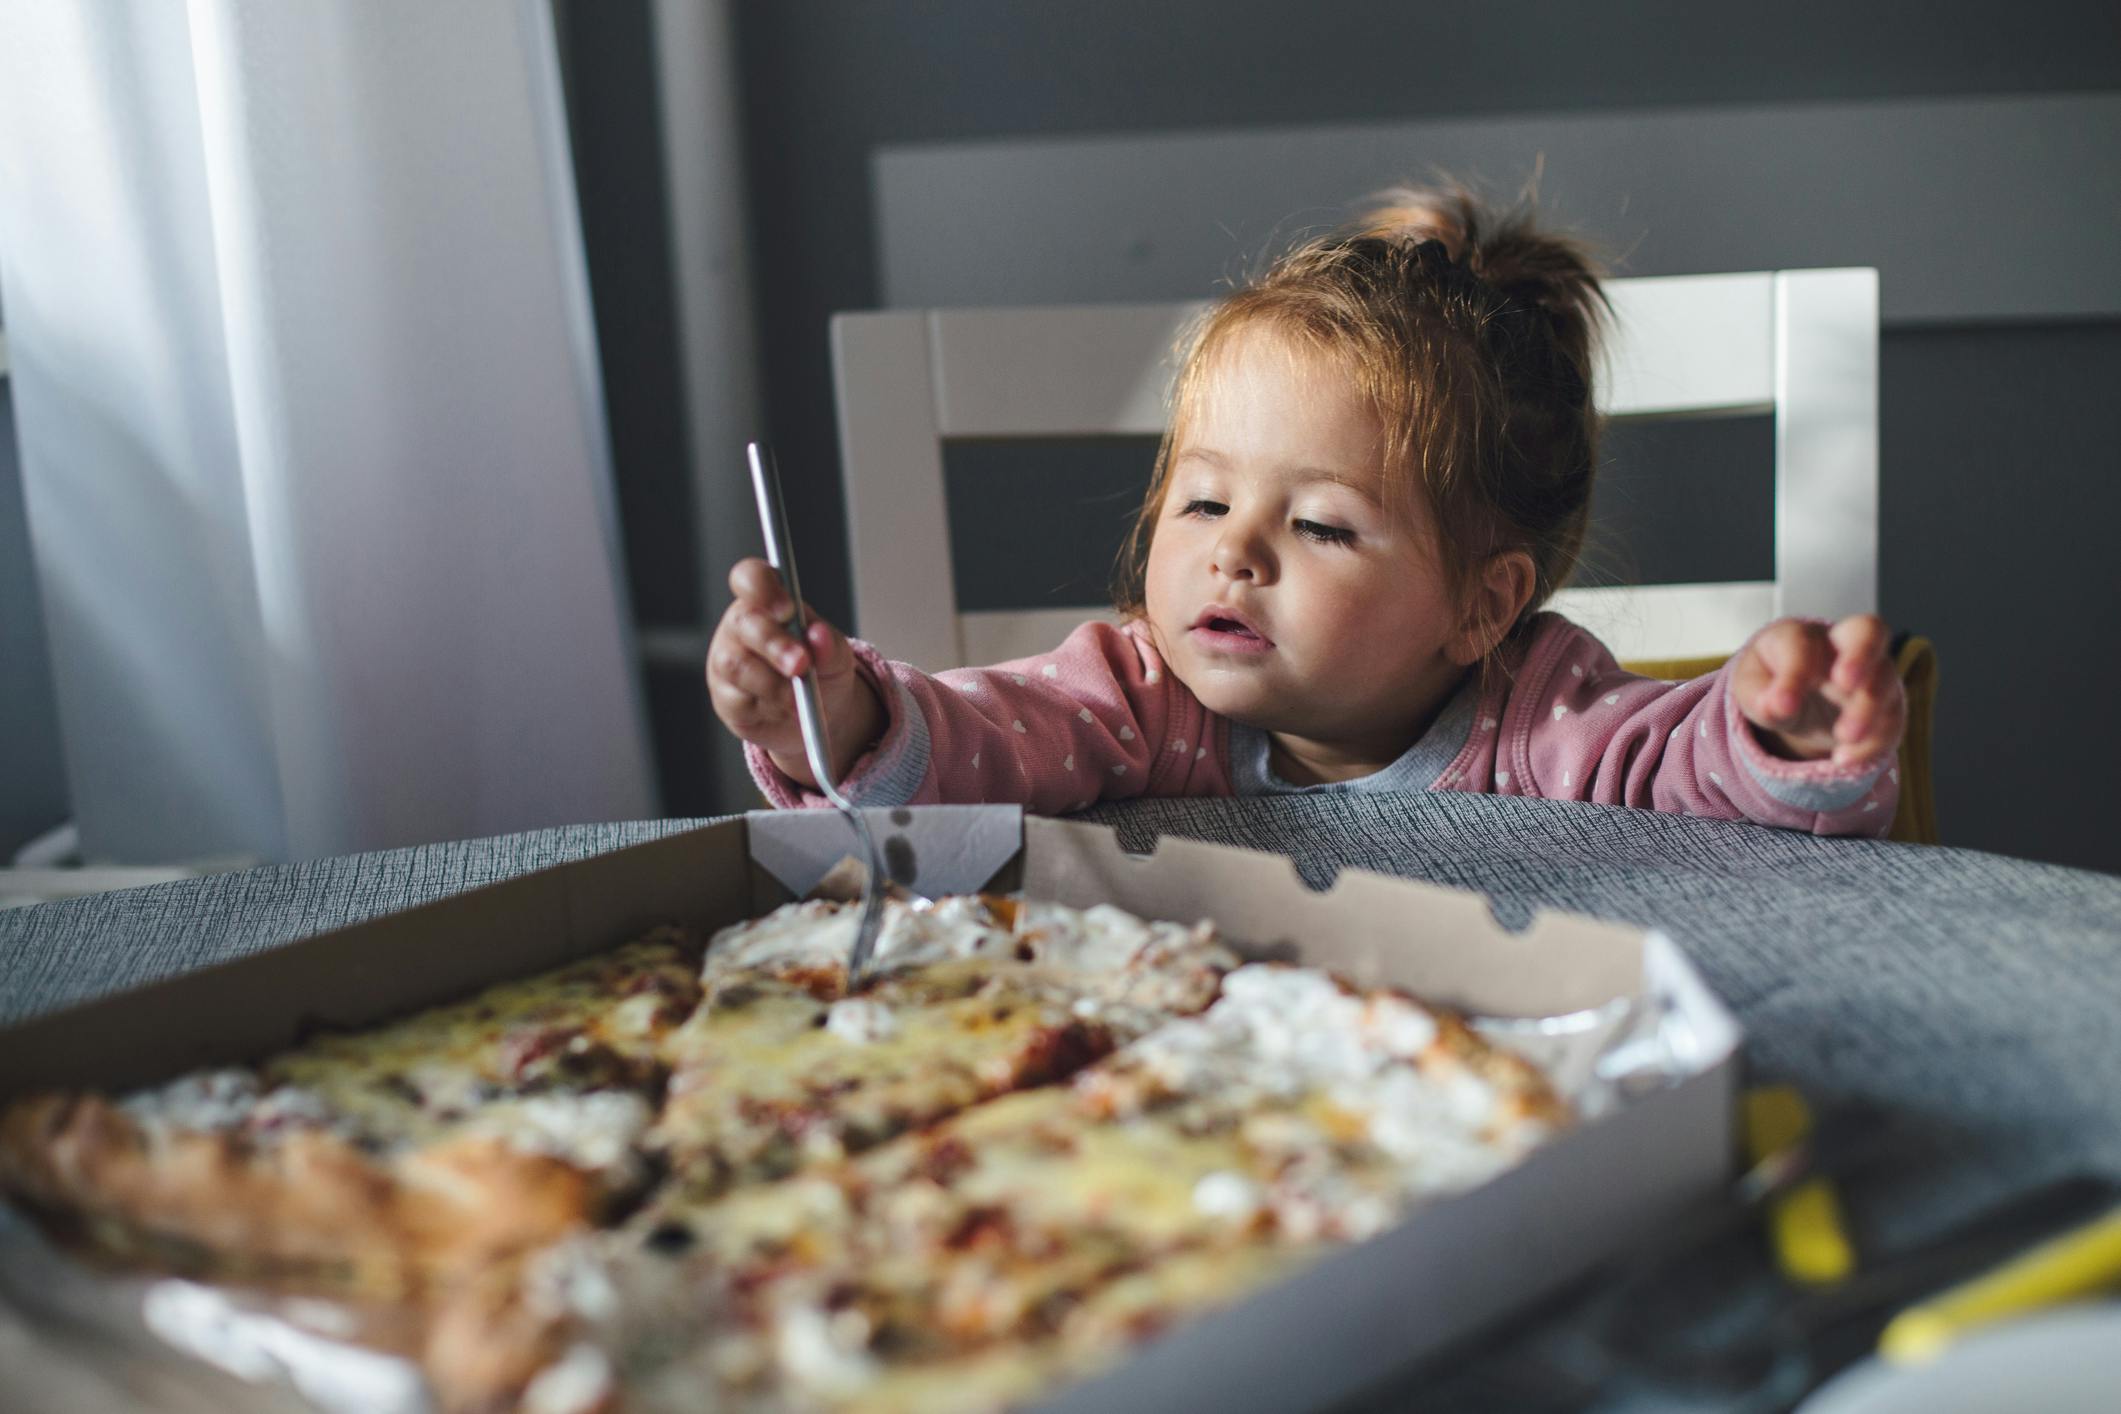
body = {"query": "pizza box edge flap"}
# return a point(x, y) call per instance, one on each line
point(1359, 926)
point(394, 962)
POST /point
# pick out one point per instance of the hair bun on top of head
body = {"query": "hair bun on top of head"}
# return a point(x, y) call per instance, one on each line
point(1504, 249)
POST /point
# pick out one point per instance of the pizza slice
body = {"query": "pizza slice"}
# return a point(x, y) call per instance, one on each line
point(374, 1164)
point(781, 1068)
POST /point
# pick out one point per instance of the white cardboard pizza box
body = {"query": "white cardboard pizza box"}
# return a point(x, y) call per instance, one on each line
point(1324, 1333)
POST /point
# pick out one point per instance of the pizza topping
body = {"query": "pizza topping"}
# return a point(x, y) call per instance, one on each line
point(1103, 953)
point(580, 1381)
point(597, 1131)
point(826, 1351)
point(1285, 1031)
point(1112, 956)
point(212, 1100)
point(670, 1238)
point(815, 936)
point(1223, 1194)
point(286, 1106)
point(860, 1020)
point(1444, 1134)
point(225, 1101)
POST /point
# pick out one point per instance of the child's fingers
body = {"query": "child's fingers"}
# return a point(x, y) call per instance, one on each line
point(1859, 642)
point(768, 640)
point(741, 710)
point(746, 681)
point(1871, 717)
point(757, 585)
point(1796, 657)
point(834, 655)
point(1860, 704)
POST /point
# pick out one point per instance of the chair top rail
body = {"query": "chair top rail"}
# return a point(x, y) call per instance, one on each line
point(1679, 345)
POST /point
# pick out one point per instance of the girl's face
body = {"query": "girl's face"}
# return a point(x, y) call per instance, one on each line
point(1279, 587)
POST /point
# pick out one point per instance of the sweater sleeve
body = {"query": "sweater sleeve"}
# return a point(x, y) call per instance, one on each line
point(1098, 718)
point(1576, 726)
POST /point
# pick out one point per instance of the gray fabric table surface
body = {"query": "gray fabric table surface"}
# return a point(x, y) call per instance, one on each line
point(1973, 1000)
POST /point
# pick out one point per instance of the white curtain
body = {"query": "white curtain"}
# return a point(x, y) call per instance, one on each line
point(312, 439)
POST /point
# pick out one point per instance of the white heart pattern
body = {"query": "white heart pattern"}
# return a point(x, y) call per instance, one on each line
point(1487, 724)
point(1179, 746)
point(1049, 671)
point(1502, 778)
point(1612, 698)
point(1017, 678)
point(1126, 733)
point(1560, 711)
point(1120, 770)
point(1152, 676)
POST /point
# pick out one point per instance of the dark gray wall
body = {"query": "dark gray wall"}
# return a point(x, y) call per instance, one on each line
point(32, 774)
point(828, 82)
point(1999, 498)
point(608, 65)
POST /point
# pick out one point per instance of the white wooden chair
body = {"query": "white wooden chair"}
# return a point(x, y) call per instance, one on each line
point(1801, 344)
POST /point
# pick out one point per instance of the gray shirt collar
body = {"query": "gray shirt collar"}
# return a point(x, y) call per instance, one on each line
point(1418, 766)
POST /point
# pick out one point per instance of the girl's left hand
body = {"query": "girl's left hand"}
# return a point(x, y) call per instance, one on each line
point(1815, 691)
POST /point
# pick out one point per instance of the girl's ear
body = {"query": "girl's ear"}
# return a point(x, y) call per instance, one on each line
point(1497, 597)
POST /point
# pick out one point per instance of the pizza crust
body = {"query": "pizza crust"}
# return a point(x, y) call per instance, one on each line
point(309, 1211)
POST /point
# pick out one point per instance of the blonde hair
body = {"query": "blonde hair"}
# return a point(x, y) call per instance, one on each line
point(1472, 333)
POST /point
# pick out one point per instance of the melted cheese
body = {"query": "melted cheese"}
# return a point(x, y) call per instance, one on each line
point(764, 1081)
point(1101, 953)
point(554, 1063)
point(818, 935)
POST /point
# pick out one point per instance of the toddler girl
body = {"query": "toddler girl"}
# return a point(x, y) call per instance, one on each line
point(1378, 468)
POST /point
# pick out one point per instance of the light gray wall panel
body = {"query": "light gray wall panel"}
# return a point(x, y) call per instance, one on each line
point(1971, 208)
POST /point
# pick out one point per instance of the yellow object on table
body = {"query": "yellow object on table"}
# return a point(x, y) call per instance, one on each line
point(1811, 1244)
point(2078, 1263)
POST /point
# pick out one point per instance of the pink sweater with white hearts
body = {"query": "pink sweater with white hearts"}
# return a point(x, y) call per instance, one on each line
point(1101, 718)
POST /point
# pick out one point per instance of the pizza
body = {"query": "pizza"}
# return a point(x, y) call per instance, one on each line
point(675, 1175)
point(376, 1163)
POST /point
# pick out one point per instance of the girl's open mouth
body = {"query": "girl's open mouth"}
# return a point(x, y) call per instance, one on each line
point(1229, 635)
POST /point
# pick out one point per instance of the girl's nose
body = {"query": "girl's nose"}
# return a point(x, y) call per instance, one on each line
point(1239, 554)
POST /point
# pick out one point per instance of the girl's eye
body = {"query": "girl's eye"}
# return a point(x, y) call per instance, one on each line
point(1325, 534)
point(1203, 508)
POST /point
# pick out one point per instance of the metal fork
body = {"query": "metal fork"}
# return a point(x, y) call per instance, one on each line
point(810, 706)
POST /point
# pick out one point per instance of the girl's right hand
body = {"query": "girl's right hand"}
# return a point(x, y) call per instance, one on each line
point(750, 665)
